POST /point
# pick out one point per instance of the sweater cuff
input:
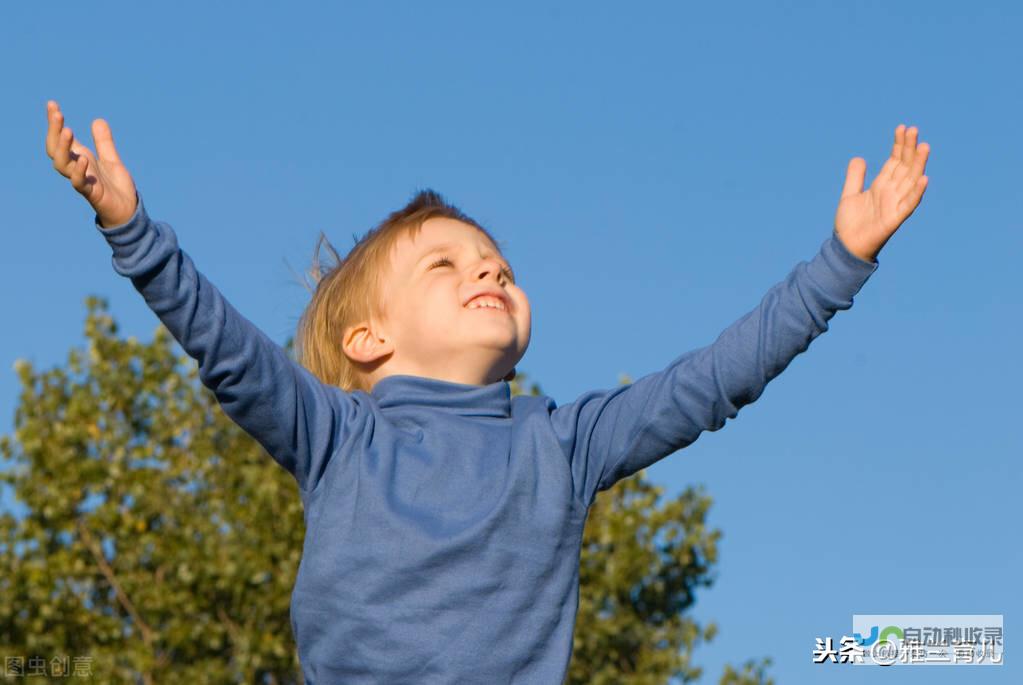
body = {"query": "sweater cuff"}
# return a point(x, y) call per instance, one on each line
point(140, 244)
point(122, 237)
point(839, 271)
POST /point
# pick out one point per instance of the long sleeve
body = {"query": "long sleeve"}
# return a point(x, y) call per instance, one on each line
point(611, 434)
point(299, 420)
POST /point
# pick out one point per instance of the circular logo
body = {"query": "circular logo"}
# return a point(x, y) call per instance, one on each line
point(884, 652)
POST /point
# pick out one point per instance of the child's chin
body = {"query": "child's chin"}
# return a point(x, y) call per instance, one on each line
point(496, 337)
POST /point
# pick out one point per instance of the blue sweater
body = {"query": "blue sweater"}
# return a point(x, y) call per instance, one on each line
point(444, 521)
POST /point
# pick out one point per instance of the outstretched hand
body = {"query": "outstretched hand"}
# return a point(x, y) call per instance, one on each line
point(103, 180)
point(865, 220)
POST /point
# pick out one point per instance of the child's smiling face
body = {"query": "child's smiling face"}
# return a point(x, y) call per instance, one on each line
point(436, 320)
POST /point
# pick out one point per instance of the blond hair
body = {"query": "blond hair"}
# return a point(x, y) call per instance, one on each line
point(351, 290)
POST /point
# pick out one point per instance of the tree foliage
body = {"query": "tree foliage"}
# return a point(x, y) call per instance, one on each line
point(158, 540)
point(161, 542)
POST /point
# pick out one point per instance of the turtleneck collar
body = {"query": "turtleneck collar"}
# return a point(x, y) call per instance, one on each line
point(402, 390)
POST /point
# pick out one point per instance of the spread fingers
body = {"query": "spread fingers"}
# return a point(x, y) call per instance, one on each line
point(78, 168)
point(62, 152)
point(56, 123)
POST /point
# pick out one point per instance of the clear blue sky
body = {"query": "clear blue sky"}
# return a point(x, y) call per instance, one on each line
point(652, 171)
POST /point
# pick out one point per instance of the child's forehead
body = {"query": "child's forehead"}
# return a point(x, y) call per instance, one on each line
point(438, 233)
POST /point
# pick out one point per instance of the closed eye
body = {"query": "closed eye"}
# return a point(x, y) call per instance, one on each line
point(445, 261)
point(441, 261)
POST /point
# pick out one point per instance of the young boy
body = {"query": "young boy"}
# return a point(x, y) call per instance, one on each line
point(444, 517)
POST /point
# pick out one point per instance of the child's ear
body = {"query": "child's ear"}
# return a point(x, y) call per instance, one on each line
point(511, 376)
point(361, 344)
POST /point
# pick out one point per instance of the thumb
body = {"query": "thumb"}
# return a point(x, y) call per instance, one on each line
point(105, 149)
point(854, 175)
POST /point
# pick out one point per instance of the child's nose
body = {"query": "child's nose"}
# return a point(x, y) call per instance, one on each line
point(488, 267)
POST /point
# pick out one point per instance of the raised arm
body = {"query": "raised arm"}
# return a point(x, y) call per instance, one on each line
point(609, 435)
point(298, 420)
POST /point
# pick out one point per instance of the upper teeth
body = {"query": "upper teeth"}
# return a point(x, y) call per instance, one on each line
point(485, 301)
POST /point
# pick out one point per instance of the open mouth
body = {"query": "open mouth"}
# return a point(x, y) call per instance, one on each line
point(487, 302)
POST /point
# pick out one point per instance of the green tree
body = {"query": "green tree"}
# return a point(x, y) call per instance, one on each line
point(752, 673)
point(158, 540)
point(162, 543)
